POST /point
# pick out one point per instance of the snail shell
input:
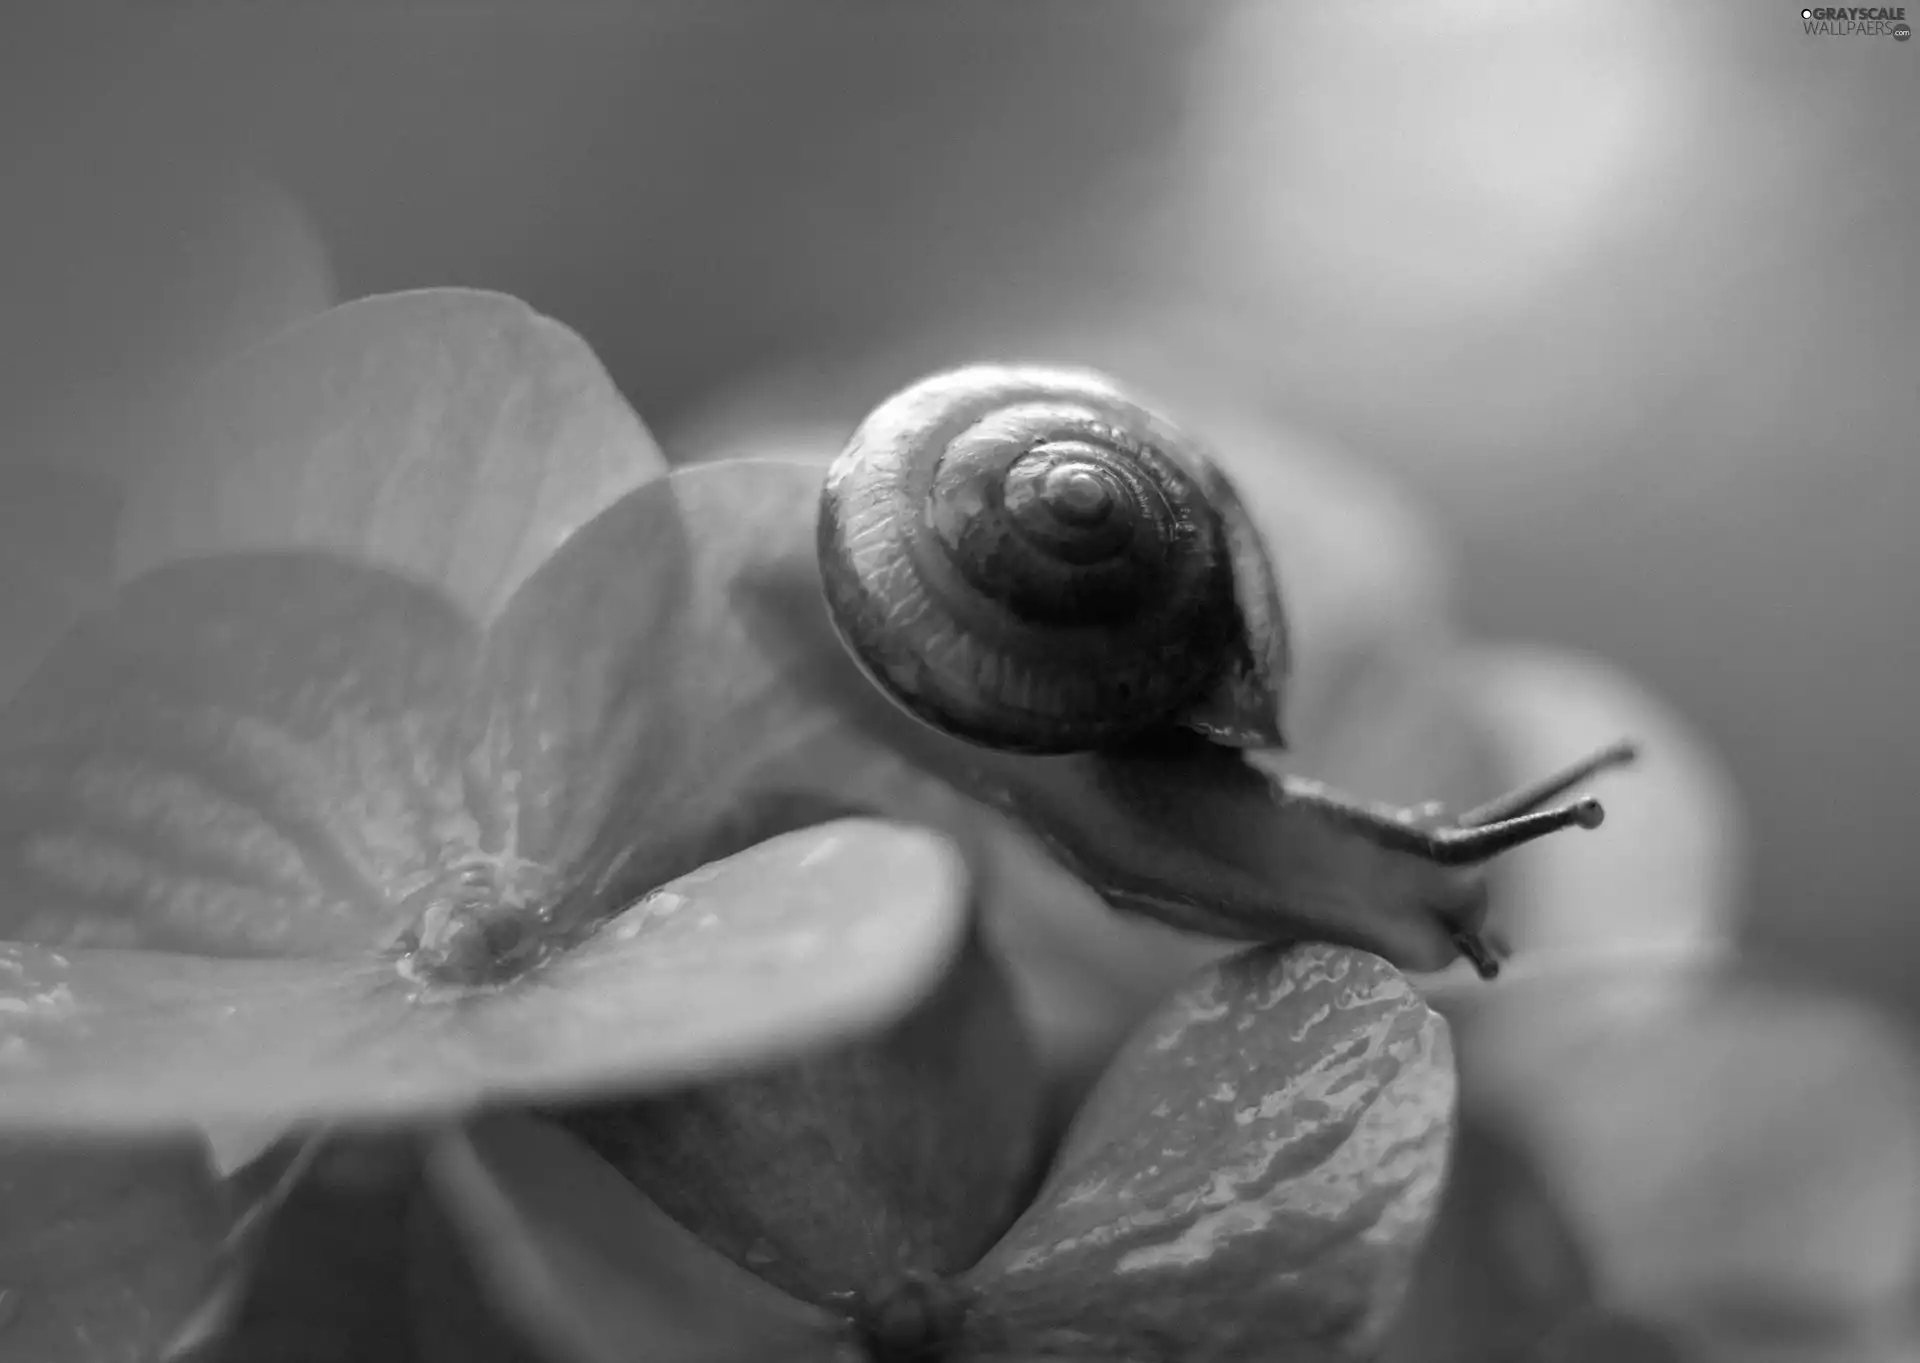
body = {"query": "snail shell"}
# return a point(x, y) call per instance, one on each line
point(1028, 559)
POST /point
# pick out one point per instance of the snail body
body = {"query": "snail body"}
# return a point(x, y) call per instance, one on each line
point(1030, 560)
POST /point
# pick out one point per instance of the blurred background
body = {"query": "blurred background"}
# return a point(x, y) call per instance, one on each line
point(1626, 293)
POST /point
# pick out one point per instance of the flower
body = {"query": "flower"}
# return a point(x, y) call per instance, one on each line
point(418, 766)
point(226, 792)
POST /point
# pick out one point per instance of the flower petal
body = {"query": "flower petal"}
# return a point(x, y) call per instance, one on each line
point(256, 754)
point(107, 1249)
point(799, 942)
point(1503, 1271)
point(1714, 1139)
point(668, 689)
point(455, 436)
point(907, 1152)
point(615, 693)
point(1257, 1171)
point(590, 1271)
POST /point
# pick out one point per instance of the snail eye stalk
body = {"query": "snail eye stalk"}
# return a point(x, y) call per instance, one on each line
point(1528, 798)
point(1512, 810)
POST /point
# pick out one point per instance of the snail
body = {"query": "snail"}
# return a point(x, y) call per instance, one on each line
point(1036, 566)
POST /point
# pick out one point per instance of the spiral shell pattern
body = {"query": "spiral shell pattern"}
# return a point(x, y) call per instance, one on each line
point(1028, 559)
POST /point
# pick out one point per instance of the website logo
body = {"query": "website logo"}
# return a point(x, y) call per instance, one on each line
point(1871, 21)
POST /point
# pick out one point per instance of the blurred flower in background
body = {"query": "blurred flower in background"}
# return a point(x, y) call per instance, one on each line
point(134, 254)
point(1617, 296)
